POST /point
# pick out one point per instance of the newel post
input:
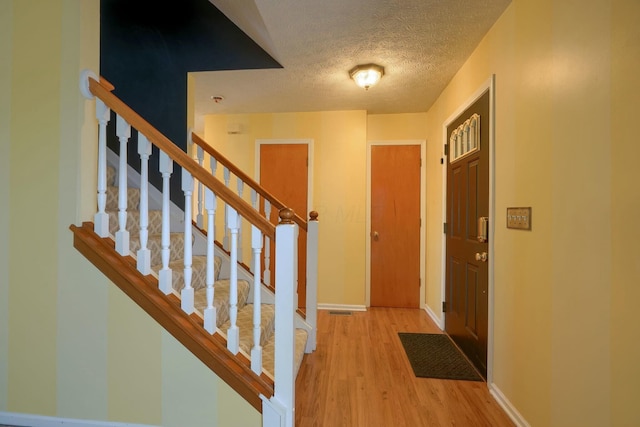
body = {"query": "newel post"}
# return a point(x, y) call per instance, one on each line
point(286, 303)
point(312, 280)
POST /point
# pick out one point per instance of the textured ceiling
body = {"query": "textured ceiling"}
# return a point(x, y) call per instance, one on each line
point(421, 44)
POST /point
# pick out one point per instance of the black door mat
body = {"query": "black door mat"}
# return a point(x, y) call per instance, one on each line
point(436, 356)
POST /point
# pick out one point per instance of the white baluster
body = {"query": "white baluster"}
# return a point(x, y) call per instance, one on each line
point(256, 351)
point(286, 304)
point(267, 246)
point(144, 254)
point(210, 315)
point(165, 279)
point(213, 163)
point(123, 131)
point(199, 216)
point(254, 203)
point(240, 245)
point(312, 280)
point(225, 239)
point(101, 218)
point(187, 293)
point(233, 336)
point(254, 199)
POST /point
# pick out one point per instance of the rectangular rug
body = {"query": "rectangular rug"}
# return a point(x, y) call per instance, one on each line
point(436, 356)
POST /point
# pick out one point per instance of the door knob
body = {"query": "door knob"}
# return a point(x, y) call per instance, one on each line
point(375, 235)
point(481, 256)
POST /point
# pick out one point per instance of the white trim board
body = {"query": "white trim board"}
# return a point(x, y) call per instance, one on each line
point(508, 407)
point(423, 214)
point(488, 85)
point(342, 307)
point(42, 421)
point(438, 321)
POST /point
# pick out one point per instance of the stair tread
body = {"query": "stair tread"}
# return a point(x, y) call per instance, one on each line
point(154, 244)
point(198, 271)
point(133, 222)
point(245, 325)
point(133, 198)
point(268, 351)
point(221, 299)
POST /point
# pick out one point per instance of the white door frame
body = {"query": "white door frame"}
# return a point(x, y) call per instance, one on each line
point(423, 215)
point(309, 143)
point(488, 85)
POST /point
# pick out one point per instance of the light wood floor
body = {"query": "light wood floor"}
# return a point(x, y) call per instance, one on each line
point(360, 376)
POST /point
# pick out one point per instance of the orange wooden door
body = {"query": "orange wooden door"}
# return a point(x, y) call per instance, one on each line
point(395, 226)
point(284, 173)
point(467, 271)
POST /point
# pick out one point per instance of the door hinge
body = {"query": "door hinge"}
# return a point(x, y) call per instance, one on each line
point(446, 149)
point(444, 306)
point(445, 228)
point(420, 161)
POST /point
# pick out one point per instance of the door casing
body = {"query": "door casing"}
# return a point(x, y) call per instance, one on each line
point(423, 186)
point(489, 85)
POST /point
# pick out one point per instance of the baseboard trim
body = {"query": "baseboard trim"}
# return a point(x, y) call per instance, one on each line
point(342, 307)
point(437, 320)
point(12, 418)
point(508, 407)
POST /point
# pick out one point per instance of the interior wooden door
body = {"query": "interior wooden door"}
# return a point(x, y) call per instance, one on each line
point(284, 173)
point(467, 273)
point(395, 226)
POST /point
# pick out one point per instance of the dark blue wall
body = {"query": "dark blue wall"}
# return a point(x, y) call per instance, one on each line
point(146, 50)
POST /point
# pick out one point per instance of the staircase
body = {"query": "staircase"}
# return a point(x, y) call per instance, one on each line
point(170, 263)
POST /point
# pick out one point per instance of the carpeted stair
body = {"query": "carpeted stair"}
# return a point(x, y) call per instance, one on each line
point(198, 281)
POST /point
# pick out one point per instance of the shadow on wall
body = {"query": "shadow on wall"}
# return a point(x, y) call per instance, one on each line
point(147, 48)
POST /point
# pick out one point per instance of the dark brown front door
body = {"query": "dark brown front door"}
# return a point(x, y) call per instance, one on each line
point(395, 226)
point(466, 299)
point(284, 173)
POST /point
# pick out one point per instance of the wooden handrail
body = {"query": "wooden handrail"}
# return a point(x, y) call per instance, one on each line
point(302, 223)
point(180, 157)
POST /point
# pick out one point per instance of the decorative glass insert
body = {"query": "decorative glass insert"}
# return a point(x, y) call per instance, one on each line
point(465, 139)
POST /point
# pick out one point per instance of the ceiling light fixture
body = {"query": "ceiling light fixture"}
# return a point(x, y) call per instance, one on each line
point(366, 75)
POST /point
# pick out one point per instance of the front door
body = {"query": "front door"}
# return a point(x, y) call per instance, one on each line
point(466, 299)
point(284, 173)
point(395, 226)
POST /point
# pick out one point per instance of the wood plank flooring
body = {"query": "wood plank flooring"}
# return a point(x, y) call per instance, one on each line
point(360, 376)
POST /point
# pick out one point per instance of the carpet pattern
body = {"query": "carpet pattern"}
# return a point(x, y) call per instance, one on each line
point(198, 277)
point(436, 356)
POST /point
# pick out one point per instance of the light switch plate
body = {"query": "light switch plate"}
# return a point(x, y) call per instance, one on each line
point(519, 218)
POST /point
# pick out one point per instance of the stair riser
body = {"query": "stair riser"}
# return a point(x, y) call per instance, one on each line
point(133, 222)
point(133, 198)
point(154, 244)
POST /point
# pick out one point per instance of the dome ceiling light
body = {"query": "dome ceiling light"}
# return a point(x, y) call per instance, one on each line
point(366, 75)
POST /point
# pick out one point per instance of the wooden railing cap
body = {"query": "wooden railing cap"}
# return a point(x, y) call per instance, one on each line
point(313, 216)
point(286, 216)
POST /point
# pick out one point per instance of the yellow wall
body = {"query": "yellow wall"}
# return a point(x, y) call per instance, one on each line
point(385, 127)
point(6, 36)
point(566, 349)
point(566, 344)
point(71, 344)
point(339, 139)
point(625, 255)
